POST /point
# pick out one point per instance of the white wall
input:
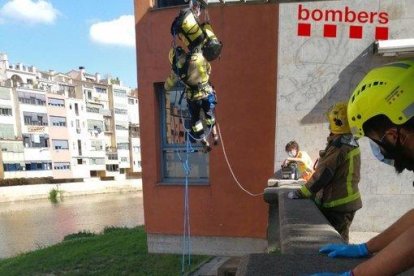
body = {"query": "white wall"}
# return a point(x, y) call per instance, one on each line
point(315, 72)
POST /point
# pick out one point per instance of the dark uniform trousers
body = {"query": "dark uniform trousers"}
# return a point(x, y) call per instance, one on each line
point(341, 221)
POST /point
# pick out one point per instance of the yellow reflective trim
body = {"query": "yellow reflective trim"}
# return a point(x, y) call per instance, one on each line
point(198, 127)
point(305, 191)
point(342, 201)
point(351, 156)
point(210, 121)
point(350, 191)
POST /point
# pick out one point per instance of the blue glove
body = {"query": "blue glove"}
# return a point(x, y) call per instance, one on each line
point(345, 250)
point(348, 273)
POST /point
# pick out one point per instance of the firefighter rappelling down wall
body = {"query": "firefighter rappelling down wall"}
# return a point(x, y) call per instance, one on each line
point(192, 69)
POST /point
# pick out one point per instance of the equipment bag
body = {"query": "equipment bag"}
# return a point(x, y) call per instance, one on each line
point(212, 46)
point(194, 34)
point(188, 28)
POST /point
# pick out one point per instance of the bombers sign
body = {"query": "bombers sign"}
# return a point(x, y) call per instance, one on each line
point(331, 17)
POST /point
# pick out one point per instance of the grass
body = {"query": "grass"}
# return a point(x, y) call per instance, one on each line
point(117, 251)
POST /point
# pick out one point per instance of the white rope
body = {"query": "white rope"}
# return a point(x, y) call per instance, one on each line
point(230, 168)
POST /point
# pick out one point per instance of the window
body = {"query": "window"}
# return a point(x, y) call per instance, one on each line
point(79, 160)
point(169, 3)
point(121, 111)
point(131, 101)
point(6, 111)
point(173, 145)
point(79, 147)
point(92, 109)
point(56, 102)
point(38, 166)
point(76, 109)
point(58, 121)
point(7, 131)
point(120, 93)
point(97, 161)
point(13, 146)
point(61, 166)
point(60, 144)
point(112, 156)
point(100, 90)
point(96, 145)
point(124, 159)
point(123, 146)
point(31, 98)
point(136, 148)
point(112, 168)
point(121, 127)
point(12, 167)
point(36, 140)
point(4, 93)
point(35, 119)
point(95, 125)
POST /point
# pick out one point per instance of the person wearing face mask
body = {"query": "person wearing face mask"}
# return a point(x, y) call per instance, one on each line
point(382, 109)
point(334, 184)
point(304, 162)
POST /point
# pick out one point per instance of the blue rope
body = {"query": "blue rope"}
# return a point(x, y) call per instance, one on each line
point(187, 231)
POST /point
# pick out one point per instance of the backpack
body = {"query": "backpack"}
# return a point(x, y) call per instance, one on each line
point(195, 34)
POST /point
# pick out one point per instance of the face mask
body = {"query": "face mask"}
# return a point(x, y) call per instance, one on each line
point(396, 154)
point(377, 153)
point(292, 153)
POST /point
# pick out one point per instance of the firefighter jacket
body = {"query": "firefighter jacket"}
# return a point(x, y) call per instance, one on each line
point(337, 175)
point(194, 71)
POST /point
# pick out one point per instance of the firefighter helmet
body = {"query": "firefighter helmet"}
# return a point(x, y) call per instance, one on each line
point(387, 90)
point(337, 116)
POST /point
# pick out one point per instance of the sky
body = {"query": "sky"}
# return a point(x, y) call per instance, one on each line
point(62, 35)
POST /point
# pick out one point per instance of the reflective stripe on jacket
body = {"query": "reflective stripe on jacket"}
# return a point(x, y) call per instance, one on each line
point(195, 73)
point(336, 177)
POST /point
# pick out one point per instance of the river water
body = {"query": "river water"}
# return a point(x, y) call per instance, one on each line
point(29, 225)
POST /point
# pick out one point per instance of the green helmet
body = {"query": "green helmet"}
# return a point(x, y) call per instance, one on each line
point(387, 90)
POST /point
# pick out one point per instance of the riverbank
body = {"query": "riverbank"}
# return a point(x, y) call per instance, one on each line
point(117, 251)
point(89, 187)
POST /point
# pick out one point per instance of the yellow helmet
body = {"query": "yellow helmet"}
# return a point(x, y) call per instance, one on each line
point(175, 51)
point(387, 90)
point(337, 117)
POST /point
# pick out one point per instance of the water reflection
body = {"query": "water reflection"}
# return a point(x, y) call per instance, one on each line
point(29, 225)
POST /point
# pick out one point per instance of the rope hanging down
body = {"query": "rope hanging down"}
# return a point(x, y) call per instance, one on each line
point(187, 230)
point(230, 168)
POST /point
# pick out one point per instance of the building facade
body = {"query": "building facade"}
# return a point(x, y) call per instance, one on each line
point(63, 126)
point(281, 68)
point(224, 219)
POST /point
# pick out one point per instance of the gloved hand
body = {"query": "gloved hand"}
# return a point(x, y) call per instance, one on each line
point(345, 250)
point(348, 273)
point(294, 195)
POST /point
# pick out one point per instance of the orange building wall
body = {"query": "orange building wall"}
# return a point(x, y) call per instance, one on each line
point(245, 80)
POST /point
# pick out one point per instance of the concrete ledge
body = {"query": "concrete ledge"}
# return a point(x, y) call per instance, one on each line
point(303, 228)
point(214, 246)
point(268, 264)
point(29, 192)
point(271, 194)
